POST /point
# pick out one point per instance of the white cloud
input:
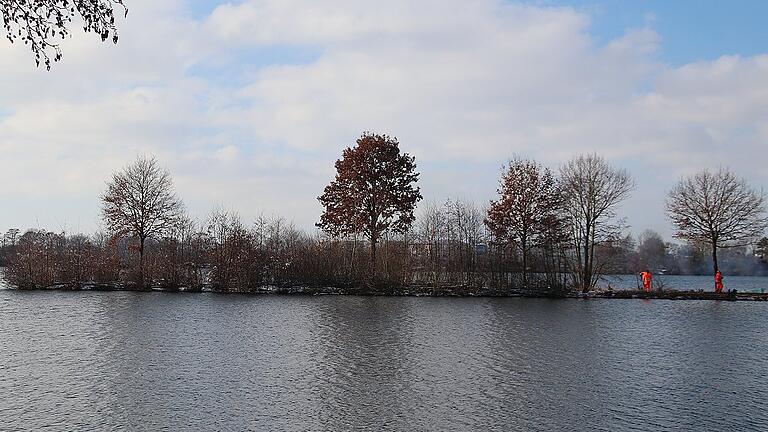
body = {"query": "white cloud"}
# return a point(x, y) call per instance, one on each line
point(463, 84)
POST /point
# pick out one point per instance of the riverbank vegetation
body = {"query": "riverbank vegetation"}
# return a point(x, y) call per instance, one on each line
point(547, 233)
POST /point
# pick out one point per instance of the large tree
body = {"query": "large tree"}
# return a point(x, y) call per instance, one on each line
point(592, 189)
point(717, 208)
point(41, 23)
point(140, 201)
point(374, 191)
point(527, 208)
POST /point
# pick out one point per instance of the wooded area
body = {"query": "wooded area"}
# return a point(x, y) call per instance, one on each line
point(545, 233)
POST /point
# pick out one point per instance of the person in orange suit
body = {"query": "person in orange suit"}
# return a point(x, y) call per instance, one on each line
point(647, 279)
point(718, 282)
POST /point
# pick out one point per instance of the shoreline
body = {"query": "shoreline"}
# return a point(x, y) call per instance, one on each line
point(424, 291)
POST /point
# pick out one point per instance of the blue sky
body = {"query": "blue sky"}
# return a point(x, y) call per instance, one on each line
point(690, 30)
point(250, 102)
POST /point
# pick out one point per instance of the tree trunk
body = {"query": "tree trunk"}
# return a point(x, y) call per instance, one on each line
point(586, 276)
point(373, 258)
point(386, 256)
point(524, 244)
point(351, 276)
point(715, 267)
point(141, 261)
point(592, 243)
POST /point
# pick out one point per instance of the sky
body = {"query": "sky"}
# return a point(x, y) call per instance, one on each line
point(249, 103)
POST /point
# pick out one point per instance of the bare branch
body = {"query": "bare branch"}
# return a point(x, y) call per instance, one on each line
point(717, 208)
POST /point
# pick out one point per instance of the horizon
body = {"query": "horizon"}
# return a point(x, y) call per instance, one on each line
point(250, 104)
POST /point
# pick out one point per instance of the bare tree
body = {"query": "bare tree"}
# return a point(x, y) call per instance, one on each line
point(465, 231)
point(651, 251)
point(430, 227)
point(592, 189)
point(761, 249)
point(8, 245)
point(528, 204)
point(39, 23)
point(140, 201)
point(718, 208)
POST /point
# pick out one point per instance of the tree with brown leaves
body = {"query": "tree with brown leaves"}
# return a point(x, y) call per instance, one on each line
point(39, 23)
point(140, 201)
point(527, 208)
point(374, 192)
point(717, 208)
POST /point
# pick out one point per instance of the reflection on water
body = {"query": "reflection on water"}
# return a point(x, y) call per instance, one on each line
point(148, 361)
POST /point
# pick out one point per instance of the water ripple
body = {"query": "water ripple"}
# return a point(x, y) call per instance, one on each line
point(151, 361)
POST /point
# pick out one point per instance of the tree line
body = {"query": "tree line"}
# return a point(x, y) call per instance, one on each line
point(547, 231)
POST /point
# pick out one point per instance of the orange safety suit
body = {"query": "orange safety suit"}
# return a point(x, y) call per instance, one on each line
point(718, 282)
point(646, 277)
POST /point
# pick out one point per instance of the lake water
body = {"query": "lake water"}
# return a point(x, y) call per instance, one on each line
point(153, 361)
